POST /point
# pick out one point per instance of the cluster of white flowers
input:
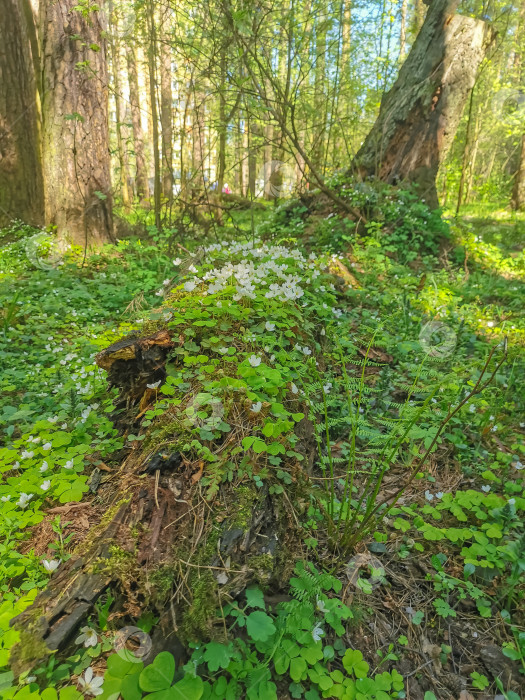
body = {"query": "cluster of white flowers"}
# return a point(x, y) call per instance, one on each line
point(305, 350)
point(249, 274)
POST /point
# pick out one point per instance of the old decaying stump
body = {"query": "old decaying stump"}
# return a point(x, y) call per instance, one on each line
point(419, 116)
point(161, 544)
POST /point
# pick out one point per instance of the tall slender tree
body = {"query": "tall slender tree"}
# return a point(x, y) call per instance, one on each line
point(141, 171)
point(166, 104)
point(518, 190)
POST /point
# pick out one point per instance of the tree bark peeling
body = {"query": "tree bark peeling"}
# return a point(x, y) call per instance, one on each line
point(420, 114)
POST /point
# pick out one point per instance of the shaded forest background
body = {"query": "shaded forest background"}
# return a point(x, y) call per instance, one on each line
point(157, 103)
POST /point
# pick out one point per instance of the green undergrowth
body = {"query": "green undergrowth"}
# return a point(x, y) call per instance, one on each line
point(374, 340)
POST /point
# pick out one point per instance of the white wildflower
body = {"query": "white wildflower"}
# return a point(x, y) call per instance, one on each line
point(254, 360)
point(88, 637)
point(91, 685)
point(317, 633)
point(189, 286)
point(256, 407)
point(45, 485)
point(24, 499)
point(320, 604)
point(269, 326)
point(154, 385)
point(177, 262)
point(50, 565)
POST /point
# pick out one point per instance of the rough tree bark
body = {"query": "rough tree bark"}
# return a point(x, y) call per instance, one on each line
point(419, 116)
point(75, 134)
point(21, 184)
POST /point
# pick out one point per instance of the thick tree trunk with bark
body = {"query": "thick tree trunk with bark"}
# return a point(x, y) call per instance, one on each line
point(75, 124)
point(21, 185)
point(420, 114)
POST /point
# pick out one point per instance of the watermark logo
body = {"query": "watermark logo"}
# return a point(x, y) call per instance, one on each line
point(437, 339)
point(275, 179)
point(509, 102)
point(205, 411)
point(118, 20)
point(365, 572)
point(44, 251)
point(132, 644)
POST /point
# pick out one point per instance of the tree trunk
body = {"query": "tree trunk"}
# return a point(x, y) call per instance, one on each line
point(252, 131)
point(21, 184)
point(172, 543)
point(154, 114)
point(320, 96)
point(198, 131)
point(119, 114)
point(472, 161)
point(141, 171)
point(518, 192)
point(403, 31)
point(166, 108)
point(420, 114)
point(221, 155)
point(269, 192)
point(75, 124)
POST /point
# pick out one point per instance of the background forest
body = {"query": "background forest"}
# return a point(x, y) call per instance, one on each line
point(206, 95)
point(262, 321)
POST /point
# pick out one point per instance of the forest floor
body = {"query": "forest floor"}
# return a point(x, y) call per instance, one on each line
point(371, 339)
